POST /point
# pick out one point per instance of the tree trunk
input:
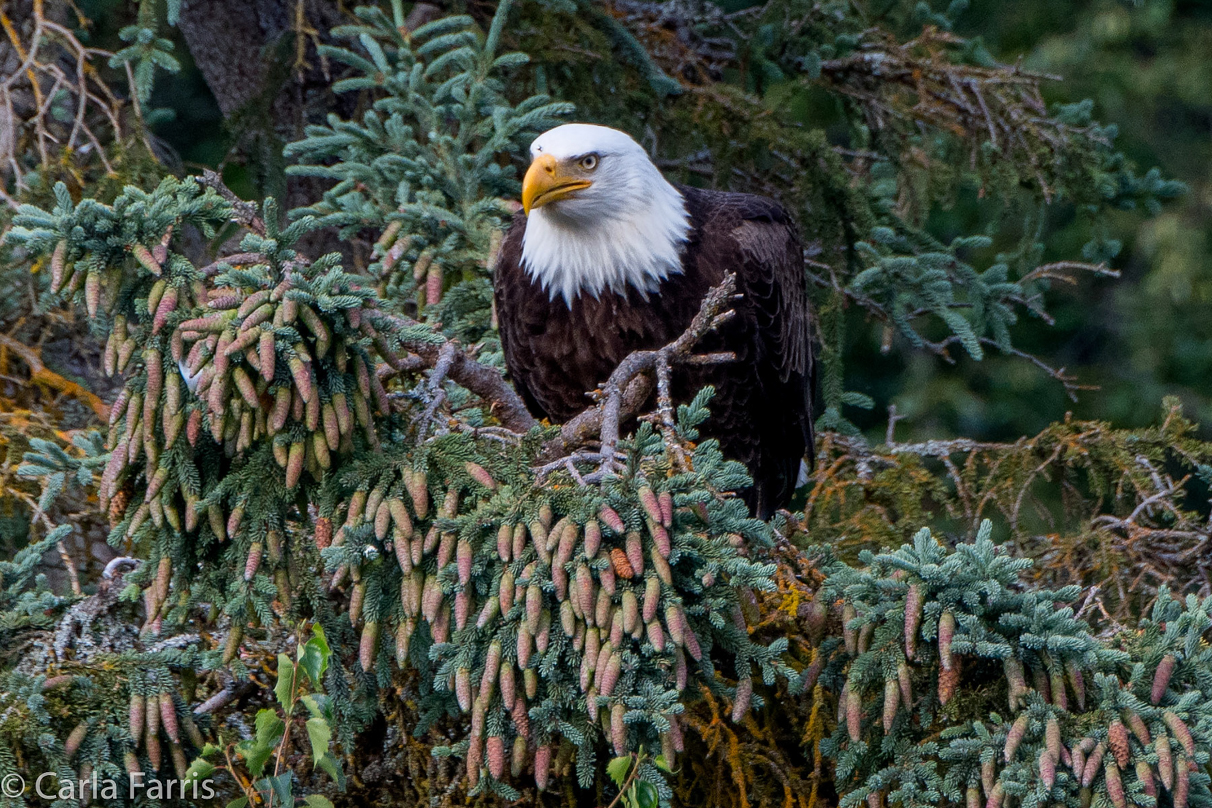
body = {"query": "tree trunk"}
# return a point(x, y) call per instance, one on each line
point(247, 52)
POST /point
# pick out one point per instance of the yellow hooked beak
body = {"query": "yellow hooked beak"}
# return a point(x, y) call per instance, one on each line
point(546, 181)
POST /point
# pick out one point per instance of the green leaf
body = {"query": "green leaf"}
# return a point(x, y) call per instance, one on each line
point(280, 786)
point(241, 802)
point(320, 735)
point(662, 764)
point(285, 688)
point(319, 705)
point(269, 730)
point(329, 765)
point(314, 655)
point(316, 801)
point(200, 769)
point(644, 795)
point(618, 768)
point(269, 727)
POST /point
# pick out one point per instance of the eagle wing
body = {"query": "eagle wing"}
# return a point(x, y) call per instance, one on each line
point(764, 249)
point(774, 281)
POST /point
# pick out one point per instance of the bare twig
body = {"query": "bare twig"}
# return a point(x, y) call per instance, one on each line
point(111, 569)
point(665, 413)
point(233, 260)
point(624, 393)
point(890, 435)
point(569, 463)
point(55, 74)
point(1138, 534)
point(436, 392)
point(224, 697)
point(69, 564)
point(245, 213)
point(486, 382)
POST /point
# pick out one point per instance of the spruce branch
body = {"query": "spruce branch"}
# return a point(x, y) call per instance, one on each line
point(404, 526)
point(901, 288)
point(1068, 381)
point(445, 358)
point(1122, 507)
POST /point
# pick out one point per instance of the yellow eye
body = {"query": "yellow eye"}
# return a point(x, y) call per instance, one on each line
point(589, 162)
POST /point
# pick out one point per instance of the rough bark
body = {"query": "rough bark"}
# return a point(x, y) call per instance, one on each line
point(246, 51)
point(229, 40)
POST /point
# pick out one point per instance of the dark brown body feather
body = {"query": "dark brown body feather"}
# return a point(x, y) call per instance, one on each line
point(761, 412)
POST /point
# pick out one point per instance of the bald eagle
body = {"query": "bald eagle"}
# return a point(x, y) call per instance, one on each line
point(608, 257)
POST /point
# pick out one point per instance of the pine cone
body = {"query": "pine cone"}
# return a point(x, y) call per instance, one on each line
point(1117, 741)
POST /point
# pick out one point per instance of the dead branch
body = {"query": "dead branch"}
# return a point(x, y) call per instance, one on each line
point(486, 382)
point(899, 88)
point(233, 260)
point(588, 425)
point(243, 213)
point(1138, 534)
point(915, 83)
point(224, 697)
point(632, 382)
point(433, 386)
point(623, 395)
point(69, 564)
point(836, 282)
point(52, 98)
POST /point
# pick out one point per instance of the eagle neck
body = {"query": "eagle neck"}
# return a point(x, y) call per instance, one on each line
point(638, 245)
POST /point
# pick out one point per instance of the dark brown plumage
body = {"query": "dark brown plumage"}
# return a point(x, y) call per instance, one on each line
point(761, 412)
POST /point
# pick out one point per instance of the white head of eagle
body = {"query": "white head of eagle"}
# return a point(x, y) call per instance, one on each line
point(599, 215)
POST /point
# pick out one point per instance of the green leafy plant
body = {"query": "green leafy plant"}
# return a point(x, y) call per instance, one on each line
point(628, 774)
point(300, 681)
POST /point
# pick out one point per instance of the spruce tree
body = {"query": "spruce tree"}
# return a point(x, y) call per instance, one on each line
point(349, 567)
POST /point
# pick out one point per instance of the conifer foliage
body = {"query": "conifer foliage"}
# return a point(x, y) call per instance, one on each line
point(307, 472)
point(551, 612)
point(1028, 705)
point(422, 165)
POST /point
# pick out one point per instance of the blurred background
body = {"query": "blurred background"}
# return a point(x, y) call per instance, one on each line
point(1141, 337)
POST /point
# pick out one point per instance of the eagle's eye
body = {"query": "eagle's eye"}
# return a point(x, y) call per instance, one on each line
point(589, 162)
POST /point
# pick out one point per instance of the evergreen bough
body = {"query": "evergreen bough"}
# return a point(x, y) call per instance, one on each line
point(422, 166)
point(288, 452)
